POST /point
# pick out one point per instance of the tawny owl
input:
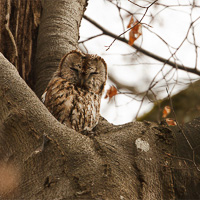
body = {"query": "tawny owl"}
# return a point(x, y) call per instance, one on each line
point(74, 93)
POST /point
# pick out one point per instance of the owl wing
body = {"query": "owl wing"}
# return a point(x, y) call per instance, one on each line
point(58, 98)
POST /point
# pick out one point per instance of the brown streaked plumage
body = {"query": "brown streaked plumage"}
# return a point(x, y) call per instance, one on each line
point(74, 93)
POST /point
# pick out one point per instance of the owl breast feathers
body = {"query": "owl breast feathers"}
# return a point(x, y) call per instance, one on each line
point(74, 93)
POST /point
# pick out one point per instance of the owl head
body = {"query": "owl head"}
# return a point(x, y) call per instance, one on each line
point(86, 71)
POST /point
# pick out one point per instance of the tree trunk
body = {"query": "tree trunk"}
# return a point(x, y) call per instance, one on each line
point(43, 159)
point(58, 34)
point(19, 22)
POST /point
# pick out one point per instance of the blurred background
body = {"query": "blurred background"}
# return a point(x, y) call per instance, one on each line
point(158, 68)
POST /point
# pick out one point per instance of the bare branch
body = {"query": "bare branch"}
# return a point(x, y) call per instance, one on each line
point(92, 37)
point(145, 52)
point(23, 103)
point(120, 85)
point(139, 22)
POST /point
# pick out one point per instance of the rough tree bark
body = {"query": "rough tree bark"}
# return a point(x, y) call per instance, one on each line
point(58, 34)
point(19, 22)
point(43, 159)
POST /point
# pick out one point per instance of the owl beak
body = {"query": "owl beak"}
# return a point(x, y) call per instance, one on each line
point(82, 79)
point(82, 82)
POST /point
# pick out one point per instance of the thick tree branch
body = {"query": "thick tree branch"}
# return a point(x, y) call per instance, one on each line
point(24, 120)
point(16, 96)
point(82, 164)
point(58, 34)
point(133, 161)
point(145, 52)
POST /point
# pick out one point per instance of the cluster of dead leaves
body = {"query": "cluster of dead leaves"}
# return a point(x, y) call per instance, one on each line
point(166, 112)
point(111, 92)
point(135, 32)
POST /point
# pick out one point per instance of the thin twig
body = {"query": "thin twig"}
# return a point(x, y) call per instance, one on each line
point(139, 22)
point(92, 37)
